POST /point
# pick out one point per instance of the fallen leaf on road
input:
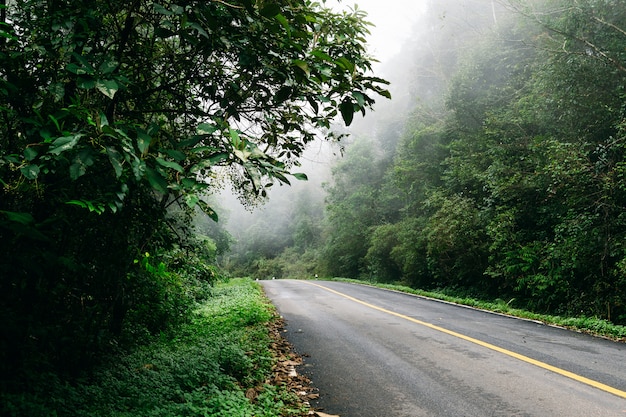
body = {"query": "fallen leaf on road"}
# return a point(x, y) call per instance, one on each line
point(284, 371)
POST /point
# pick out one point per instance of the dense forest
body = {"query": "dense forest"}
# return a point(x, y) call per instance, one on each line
point(503, 177)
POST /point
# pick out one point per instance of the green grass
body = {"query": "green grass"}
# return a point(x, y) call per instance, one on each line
point(591, 325)
point(205, 369)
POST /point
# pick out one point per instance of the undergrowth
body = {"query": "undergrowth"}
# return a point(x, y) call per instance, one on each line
point(204, 369)
point(591, 325)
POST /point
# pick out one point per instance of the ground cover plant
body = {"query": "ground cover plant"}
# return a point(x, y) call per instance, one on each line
point(217, 365)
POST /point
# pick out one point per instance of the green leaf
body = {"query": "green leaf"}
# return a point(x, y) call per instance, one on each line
point(313, 104)
point(202, 149)
point(281, 177)
point(198, 29)
point(162, 10)
point(360, 98)
point(285, 23)
point(177, 155)
point(191, 200)
point(3, 25)
point(254, 152)
point(163, 33)
point(78, 69)
point(235, 139)
point(143, 142)
point(30, 154)
point(107, 87)
point(347, 111)
point(116, 160)
point(189, 183)
point(13, 159)
point(282, 94)
point(108, 67)
point(303, 66)
point(102, 120)
point(79, 166)
point(82, 60)
point(384, 93)
point(208, 210)
point(55, 121)
point(322, 55)
point(270, 10)
point(254, 174)
point(63, 144)
point(300, 176)
point(57, 90)
point(156, 180)
point(206, 129)
point(23, 224)
point(242, 155)
point(139, 167)
point(77, 170)
point(191, 142)
point(217, 158)
point(345, 64)
point(23, 218)
point(169, 164)
point(85, 83)
point(92, 207)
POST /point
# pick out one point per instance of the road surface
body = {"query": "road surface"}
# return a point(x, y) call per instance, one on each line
point(378, 353)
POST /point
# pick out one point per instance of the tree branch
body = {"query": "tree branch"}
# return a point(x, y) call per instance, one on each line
point(622, 31)
point(228, 4)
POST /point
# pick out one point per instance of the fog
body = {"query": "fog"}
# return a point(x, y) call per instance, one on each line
point(407, 41)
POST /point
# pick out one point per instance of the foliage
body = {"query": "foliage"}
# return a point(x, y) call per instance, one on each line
point(518, 191)
point(381, 264)
point(116, 119)
point(456, 247)
point(352, 208)
point(203, 369)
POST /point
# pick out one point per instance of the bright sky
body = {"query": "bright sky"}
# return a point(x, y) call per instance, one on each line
point(394, 21)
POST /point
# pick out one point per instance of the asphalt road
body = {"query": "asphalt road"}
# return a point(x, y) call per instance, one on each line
point(377, 353)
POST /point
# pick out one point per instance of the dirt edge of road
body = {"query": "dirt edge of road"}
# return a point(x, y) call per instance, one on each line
point(285, 372)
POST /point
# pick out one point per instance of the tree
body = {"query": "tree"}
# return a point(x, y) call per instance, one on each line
point(113, 112)
point(352, 209)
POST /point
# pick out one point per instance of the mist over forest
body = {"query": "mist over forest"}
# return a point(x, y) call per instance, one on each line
point(496, 170)
point(262, 230)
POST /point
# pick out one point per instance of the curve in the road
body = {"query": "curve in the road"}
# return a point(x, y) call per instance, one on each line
point(507, 352)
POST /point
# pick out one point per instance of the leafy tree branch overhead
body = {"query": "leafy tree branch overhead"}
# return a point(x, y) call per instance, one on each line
point(165, 92)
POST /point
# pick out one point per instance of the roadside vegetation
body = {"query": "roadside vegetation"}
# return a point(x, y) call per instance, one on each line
point(218, 364)
point(591, 325)
point(119, 123)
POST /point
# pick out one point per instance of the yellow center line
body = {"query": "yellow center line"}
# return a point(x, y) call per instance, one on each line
point(507, 352)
